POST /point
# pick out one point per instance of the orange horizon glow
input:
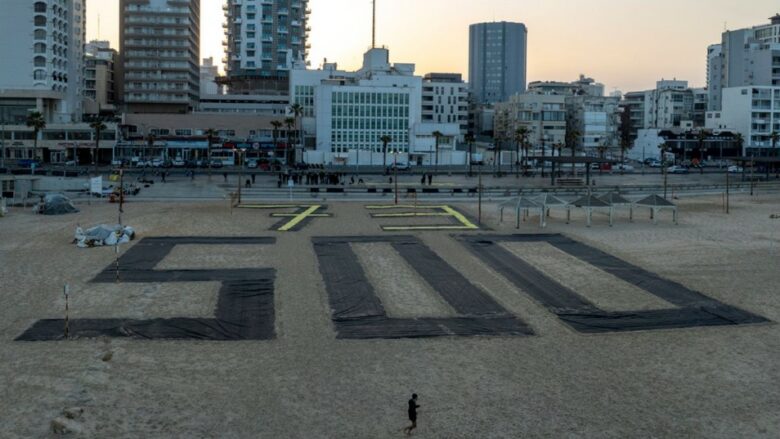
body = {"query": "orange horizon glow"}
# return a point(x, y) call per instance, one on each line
point(625, 44)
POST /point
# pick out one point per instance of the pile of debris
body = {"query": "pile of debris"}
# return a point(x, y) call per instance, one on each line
point(103, 234)
point(55, 204)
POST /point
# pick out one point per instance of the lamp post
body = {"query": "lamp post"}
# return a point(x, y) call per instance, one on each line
point(241, 155)
point(2, 143)
point(395, 173)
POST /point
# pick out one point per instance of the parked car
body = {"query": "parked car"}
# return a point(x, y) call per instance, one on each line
point(71, 163)
point(654, 164)
point(251, 164)
point(215, 164)
point(622, 168)
point(157, 163)
point(676, 169)
point(734, 169)
point(178, 162)
point(400, 167)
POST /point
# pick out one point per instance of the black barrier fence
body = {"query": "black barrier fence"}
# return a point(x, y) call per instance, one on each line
point(245, 307)
point(693, 308)
point(358, 313)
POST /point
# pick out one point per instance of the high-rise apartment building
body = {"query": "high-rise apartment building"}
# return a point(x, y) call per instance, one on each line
point(42, 59)
point(159, 45)
point(262, 41)
point(497, 61)
point(745, 57)
point(208, 78)
point(99, 78)
point(714, 76)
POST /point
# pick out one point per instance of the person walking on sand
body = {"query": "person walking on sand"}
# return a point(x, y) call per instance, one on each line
point(412, 415)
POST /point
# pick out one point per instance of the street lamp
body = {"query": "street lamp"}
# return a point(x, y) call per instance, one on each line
point(395, 173)
point(241, 155)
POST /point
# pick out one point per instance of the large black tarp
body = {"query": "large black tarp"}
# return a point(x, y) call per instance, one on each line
point(358, 313)
point(245, 307)
point(693, 308)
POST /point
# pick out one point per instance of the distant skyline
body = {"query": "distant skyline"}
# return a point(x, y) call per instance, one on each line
point(626, 44)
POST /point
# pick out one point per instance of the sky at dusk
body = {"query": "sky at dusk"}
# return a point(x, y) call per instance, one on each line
point(625, 44)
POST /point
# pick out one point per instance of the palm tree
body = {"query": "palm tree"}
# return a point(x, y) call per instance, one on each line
point(276, 125)
point(572, 137)
point(210, 135)
point(289, 123)
point(625, 136)
point(521, 139)
point(469, 138)
point(150, 139)
point(385, 140)
point(701, 137)
point(98, 126)
point(557, 147)
point(36, 121)
point(739, 139)
point(297, 111)
point(437, 135)
point(497, 154)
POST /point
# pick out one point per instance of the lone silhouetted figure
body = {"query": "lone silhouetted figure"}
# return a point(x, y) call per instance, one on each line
point(412, 415)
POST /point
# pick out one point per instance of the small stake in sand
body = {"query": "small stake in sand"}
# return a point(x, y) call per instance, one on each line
point(67, 329)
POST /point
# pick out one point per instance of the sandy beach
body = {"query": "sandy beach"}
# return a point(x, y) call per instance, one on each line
point(714, 382)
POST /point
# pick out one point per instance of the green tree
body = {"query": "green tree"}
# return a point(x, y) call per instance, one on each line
point(521, 140)
point(739, 139)
point(572, 140)
point(626, 140)
point(289, 124)
point(437, 135)
point(36, 121)
point(385, 141)
point(98, 127)
point(701, 139)
point(469, 138)
point(211, 134)
point(297, 112)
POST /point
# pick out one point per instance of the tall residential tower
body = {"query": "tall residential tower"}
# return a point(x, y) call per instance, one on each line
point(262, 41)
point(42, 59)
point(159, 49)
point(497, 61)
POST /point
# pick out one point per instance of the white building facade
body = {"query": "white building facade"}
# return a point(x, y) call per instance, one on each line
point(445, 100)
point(754, 112)
point(42, 57)
point(345, 114)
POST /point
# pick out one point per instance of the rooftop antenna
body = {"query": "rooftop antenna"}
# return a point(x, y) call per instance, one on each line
point(98, 33)
point(373, 25)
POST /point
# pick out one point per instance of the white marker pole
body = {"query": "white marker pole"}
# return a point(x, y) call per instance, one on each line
point(67, 329)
